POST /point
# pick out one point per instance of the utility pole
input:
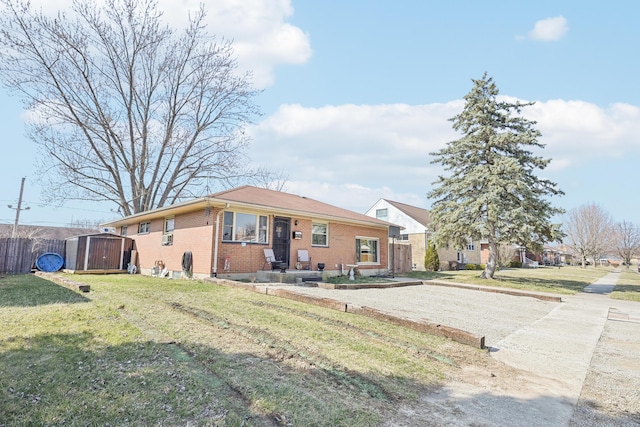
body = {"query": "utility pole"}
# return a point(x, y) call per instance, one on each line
point(18, 209)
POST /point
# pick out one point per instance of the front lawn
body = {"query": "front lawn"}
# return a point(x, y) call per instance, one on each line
point(628, 286)
point(141, 351)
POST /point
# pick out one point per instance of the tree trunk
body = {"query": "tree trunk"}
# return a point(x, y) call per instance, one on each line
point(490, 269)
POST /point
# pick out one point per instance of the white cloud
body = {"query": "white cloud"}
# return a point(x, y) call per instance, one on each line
point(262, 37)
point(577, 132)
point(352, 155)
point(549, 29)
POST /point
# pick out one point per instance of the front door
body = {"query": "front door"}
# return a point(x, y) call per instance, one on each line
point(281, 238)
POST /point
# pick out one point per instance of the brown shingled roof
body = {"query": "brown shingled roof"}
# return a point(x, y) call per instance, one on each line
point(419, 214)
point(278, 200)
point(250, 197)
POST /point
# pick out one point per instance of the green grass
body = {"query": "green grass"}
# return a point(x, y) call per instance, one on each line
point(344, 279)
point(138, 350)
point(564, 280)
point(147, 351)
point(628, 286)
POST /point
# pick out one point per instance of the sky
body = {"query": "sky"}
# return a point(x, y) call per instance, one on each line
point(356, 95)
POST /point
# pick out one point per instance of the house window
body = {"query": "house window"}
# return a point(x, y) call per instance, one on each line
point(471, 246)
point(144, 227)
point(319, 234)
point(367, 250)
point(167, 236)
point(382, 213)
point(404, 237)
point(243, 227)
point(123, 230)
point(169, 225)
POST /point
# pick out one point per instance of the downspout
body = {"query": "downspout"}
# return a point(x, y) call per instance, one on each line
point(122, 254)
point(215, 244)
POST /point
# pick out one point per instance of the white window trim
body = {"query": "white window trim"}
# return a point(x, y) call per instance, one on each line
point(235, 223)
point(327, 235)
point(165, 224)
point(470, 245)
point(378, 254)
point(148, 227)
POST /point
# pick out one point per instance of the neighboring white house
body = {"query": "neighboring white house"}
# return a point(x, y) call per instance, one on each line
point(415, 223)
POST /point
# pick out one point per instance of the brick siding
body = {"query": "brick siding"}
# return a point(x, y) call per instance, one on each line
point(195, 232)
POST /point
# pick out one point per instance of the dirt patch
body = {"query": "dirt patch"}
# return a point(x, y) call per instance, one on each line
point(485, 392)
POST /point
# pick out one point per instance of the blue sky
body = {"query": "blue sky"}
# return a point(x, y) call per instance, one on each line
point(357, 94)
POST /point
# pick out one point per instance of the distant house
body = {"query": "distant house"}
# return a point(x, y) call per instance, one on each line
point(225, 235)
point(44, 232)
point(415, 223)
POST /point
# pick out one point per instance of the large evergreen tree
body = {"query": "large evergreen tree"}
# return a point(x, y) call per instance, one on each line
point(491, 192)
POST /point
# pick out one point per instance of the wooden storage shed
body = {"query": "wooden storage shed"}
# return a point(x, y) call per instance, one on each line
point(98, 253)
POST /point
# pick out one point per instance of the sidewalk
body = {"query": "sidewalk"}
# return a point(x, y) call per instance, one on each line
point(559, 346)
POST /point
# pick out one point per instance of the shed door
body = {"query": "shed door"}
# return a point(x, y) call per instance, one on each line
point(281, 238)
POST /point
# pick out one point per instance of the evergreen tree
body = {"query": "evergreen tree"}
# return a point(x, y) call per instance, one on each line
point(431, 260)
point(491, 192)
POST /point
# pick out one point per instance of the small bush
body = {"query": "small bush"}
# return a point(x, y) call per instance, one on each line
point(515, 264)
point(431, 260)
point(445, 266)
point(481, 267)
point(470, 267)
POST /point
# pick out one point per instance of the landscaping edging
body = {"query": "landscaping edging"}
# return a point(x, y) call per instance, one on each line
point(78, 286)
point(454, 334)
point(543, 297)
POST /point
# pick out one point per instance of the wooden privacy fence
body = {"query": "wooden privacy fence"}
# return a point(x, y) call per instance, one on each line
point(400, 257)
point(18, 256)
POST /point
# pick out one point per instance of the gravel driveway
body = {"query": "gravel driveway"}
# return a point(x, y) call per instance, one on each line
point(492, 315)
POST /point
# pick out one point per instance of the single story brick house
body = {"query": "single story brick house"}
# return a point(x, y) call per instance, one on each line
point(225, 235)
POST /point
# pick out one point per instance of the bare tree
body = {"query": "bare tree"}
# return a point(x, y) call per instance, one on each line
point(86, 224)
point(271, 180)
point(589, 231)
point(506, 254)
point(627, 240)
point(23, 232)
point(125, 109)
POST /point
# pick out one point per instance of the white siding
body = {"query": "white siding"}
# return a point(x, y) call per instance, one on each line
point(397, 217)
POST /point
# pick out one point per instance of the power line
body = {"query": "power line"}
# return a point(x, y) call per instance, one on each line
point(45, 205)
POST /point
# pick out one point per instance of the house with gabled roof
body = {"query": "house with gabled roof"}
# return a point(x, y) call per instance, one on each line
point(416, 225)
point(226, 234)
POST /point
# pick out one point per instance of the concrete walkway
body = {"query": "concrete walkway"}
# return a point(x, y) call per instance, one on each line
point(559, 347)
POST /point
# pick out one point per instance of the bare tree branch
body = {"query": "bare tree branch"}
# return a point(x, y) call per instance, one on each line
point(627, 240)
point(589, 231)
point(123, 108)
